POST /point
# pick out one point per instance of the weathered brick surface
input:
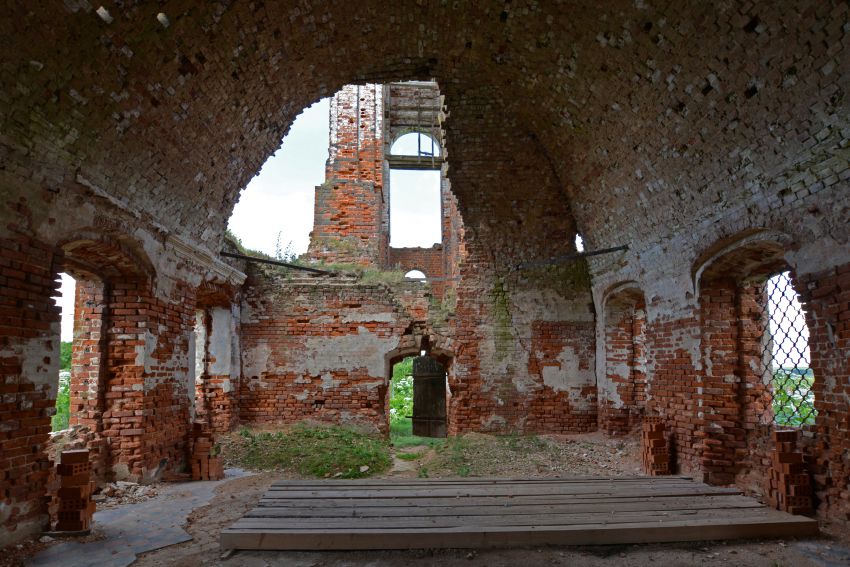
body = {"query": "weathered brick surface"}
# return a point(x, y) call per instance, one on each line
point(622, 398)
point(349, 209)
point(317, 350)
point(29, 365)
point(826, 300)
point(610, 118)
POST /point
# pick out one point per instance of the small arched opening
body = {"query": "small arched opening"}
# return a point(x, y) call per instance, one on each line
point(418, 396)
point(623, 390)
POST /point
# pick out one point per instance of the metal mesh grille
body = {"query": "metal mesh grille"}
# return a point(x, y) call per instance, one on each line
point(785, 355)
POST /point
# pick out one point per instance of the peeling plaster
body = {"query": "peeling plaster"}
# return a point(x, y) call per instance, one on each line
point(320, 354)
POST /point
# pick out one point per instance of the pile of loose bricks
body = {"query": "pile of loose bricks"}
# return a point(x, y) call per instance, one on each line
point(75, 505)
point(790, 486)
point(656, 455)
point(205, 465)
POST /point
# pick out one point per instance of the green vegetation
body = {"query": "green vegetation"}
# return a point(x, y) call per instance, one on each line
point(793, 398)
point(65, 355)
point(61, 418)
point(319, 451)
point(409, 456)
point(401, 398)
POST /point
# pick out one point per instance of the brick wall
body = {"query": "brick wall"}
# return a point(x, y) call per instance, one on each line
point(317, 349)
point(88, 374)
point(622, 397)
point(29, 366)
point(825, 296)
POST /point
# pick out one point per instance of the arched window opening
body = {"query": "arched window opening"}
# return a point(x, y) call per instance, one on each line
point(415, 275)
point(415, 144)
point(785, 356)
point(579, 243)
point(65, 301)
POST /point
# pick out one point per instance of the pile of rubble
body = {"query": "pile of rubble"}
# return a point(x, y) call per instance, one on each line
point(121, 492)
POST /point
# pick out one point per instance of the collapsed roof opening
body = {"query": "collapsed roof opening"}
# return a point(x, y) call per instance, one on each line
point(274, 214)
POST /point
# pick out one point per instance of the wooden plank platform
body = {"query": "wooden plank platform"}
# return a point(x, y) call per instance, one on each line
point(495, 512)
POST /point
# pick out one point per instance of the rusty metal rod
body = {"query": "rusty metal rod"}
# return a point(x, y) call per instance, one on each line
point(570, 257)
point(276, 263)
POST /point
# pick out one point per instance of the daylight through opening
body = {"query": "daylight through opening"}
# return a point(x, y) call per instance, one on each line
point(65, 301)
point(785, 355)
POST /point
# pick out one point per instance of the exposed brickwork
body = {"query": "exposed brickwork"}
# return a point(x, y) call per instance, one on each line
point(349, 205)
point(317, 350)
point(29, 365)
point(672, 386)
point(623, 398)
point(654, 446)
point(88, 375)
point(790, 489)
point(608, 118)
point(826, 300)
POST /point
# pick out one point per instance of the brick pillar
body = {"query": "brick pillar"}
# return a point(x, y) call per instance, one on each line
point(350, 205)
point(673, 391)
point(723, 441)
point(87, 380)
point(623, 399)
point(825, 297)
point(29, 371)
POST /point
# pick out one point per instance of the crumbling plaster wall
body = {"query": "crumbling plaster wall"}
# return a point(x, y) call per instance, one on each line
point(317, 349)
point(642, 135)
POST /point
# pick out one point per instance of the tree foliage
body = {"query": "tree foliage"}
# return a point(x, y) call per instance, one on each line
point(793, 398)
point(401, 398)
point(61, 418)
point(65, 355)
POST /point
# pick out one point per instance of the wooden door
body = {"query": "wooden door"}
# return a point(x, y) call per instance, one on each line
point(429, 397)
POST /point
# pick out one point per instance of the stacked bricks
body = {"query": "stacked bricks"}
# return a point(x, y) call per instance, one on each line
point(656, 456)
point(790, 486)
point(75, 504)
point(205, 466)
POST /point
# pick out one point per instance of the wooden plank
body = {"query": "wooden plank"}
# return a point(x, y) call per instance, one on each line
point(506, 536)
point(652, 481)
point(350, 511)
point(519, 520)
point(384, 514)
point(476, 491)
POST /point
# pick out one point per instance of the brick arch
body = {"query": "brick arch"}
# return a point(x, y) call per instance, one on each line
point(622, 379)
point(105, 255)
point(747, 254)
point(731, 281)
point(114, 283)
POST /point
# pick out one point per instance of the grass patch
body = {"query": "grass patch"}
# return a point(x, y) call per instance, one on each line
point(408, 456)
point(318, 451)
point(401, 435)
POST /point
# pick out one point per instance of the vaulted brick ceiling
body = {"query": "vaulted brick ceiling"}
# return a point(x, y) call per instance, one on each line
point(632, 120)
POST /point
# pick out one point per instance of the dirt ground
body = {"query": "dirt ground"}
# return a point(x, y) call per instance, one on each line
point(484, 455)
